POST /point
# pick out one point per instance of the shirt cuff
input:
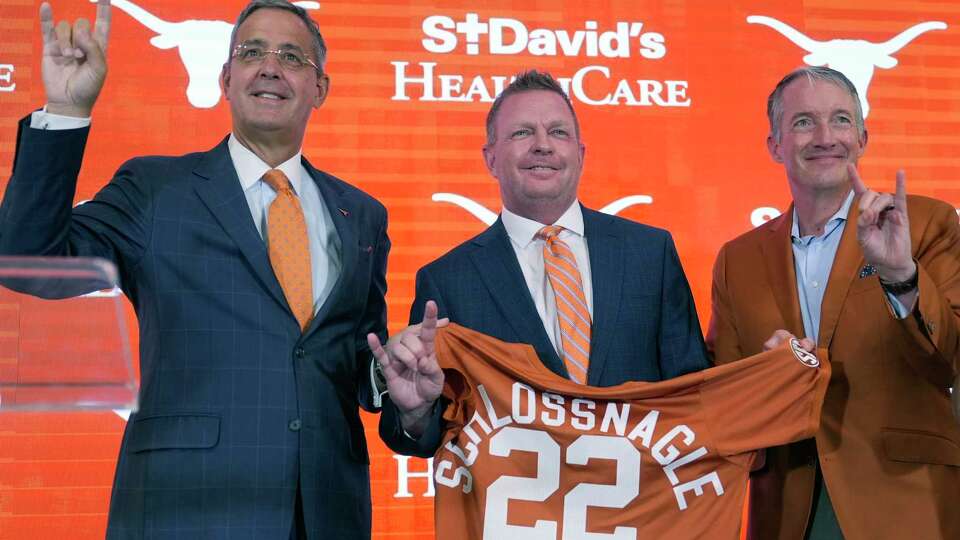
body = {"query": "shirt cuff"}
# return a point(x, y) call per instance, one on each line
point(44, 120)
point(898, 308)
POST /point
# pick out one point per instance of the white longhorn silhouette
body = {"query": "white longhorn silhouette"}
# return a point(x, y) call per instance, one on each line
point(488, 216)
point(855, 58)
point(203, 46)
point(476, 209)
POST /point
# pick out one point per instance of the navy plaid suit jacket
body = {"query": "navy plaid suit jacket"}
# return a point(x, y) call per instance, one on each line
point(645, 325)
point(237, 407)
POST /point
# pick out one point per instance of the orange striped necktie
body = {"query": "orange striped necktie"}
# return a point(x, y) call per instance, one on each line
point(289, 247)
point(572, 312)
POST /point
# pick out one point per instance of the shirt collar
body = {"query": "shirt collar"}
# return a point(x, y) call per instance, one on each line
point(523, 231)
point(838, 217)
point(250, 168)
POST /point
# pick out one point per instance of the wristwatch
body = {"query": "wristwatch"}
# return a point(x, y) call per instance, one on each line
point(897, 288)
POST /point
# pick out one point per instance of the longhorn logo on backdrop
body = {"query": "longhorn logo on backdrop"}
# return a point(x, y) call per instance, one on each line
point(6, 78)
point(203, 46)
point(855, 58)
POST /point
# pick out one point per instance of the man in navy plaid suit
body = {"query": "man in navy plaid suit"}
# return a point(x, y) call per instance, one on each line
point(248, 424)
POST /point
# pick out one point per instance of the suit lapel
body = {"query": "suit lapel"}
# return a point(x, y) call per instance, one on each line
point(606, 275)
point(781, 273)
point(344, 218)
point(222, 194)
point(846, 262)
point(497, 265)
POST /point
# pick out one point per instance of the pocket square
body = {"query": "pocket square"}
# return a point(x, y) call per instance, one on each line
point(867, 270)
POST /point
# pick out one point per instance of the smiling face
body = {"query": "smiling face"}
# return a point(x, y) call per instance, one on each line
point(818, 136)
point(536, 156)
point(268, 102)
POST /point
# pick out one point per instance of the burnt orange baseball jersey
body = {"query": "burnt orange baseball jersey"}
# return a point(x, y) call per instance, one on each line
point(528, 455)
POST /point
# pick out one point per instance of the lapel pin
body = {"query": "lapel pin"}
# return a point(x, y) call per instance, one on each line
point(867, 270)
point(344, 212)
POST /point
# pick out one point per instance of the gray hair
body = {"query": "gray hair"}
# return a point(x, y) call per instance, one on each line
point(525, 82)
point(775, 101)
point(319, 46)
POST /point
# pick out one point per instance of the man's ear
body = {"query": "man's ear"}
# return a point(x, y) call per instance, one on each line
point(225, 80)
point(323, 88)
point(773, 146)
point(489, 158)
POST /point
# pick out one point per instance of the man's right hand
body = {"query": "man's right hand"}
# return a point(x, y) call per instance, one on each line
point(74, 62)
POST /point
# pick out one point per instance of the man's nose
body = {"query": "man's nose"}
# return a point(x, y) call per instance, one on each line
point(823, 135)
point(542, 143)
point(270, 66)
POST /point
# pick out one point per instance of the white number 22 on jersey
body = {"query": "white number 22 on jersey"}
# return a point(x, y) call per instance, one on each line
point(545, 484)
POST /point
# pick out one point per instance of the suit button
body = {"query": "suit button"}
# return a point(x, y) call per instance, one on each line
point(300, 353)
point(294, 424)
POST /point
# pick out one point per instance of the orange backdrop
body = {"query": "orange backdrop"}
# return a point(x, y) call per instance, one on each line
point(671, 98)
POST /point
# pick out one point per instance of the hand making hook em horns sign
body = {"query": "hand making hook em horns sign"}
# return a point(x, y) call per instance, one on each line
point(74, 61)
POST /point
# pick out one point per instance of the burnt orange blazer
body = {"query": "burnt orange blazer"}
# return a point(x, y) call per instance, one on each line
point(888, 444)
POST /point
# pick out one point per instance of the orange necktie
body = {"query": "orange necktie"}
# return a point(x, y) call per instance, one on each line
point(289, 247)
point(572, 311)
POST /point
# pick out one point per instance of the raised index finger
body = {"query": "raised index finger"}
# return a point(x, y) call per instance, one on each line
point(900, 197)
point(101, 29)
point(858, 186)
point(428, 329)
point(46, 24)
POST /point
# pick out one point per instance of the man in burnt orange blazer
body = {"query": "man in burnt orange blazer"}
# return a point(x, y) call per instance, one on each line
point(873, 280)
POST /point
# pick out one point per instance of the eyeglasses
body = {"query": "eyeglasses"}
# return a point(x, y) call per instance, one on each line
point(290, 59)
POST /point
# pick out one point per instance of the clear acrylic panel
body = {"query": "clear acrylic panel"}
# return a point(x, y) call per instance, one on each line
point(63, 337)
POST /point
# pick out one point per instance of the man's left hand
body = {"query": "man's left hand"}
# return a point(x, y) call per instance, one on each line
point(883, 229)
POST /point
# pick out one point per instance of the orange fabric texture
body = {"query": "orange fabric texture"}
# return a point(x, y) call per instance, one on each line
point(572, 311)
point(528, 454)
point(289, 247)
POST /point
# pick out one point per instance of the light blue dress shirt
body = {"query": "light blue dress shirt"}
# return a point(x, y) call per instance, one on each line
point(813, 259)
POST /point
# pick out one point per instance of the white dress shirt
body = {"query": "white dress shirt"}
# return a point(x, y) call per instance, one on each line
point(323, 240)
point(529, 251)
point(322, 235)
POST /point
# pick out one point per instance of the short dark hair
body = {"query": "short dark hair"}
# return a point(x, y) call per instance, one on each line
point(525, 82)
point(319, 46)
point(815, 73)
